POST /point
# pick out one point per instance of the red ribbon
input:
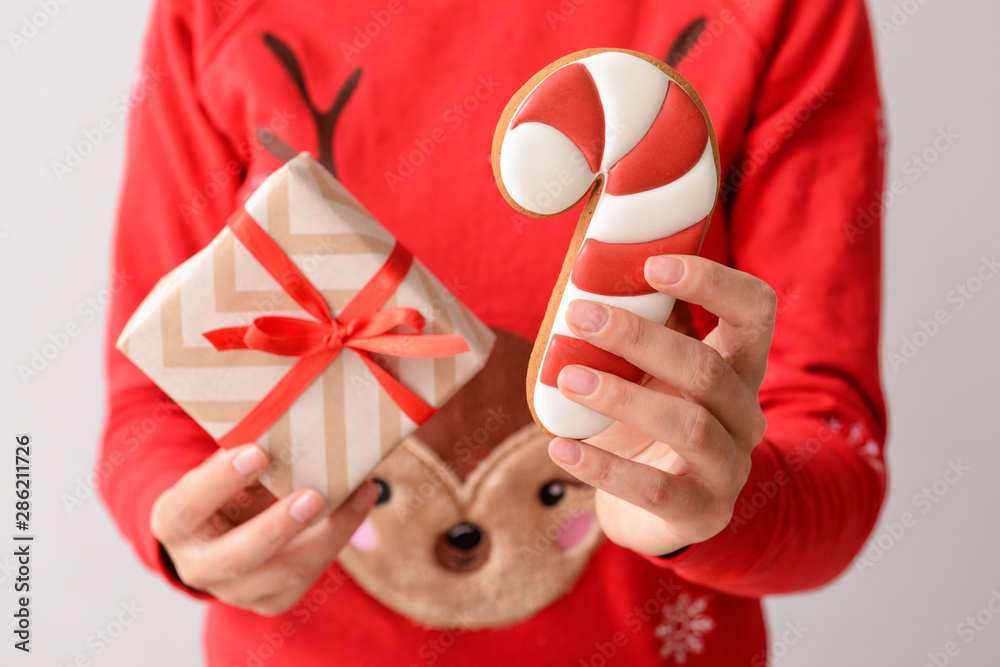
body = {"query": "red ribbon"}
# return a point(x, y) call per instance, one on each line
point(361, 326)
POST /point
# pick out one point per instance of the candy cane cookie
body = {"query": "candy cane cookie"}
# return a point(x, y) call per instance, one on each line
point(633, 133)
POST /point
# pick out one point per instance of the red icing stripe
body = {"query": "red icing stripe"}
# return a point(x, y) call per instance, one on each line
point(564, 351)
point(568, 101)
point(673, 144)
point(616, 269)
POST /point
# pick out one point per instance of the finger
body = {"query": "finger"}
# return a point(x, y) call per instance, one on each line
point(669, 497)
point(297, 564)
point(248, 503)
point(695, 369)
point(246, 546)
point(690, 429)
point(181, 510)
point(745, 304)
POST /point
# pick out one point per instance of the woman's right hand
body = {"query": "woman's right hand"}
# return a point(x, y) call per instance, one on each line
point(227, 536)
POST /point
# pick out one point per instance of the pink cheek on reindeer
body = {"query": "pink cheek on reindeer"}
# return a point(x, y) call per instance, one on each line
point(365, 538)
point(574, 530)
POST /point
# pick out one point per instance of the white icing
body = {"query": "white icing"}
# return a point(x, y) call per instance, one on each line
point(655, 306)
point(559, 414)
point(660, 212)
point(563, 417)
point(632, 91)
point(543, 171)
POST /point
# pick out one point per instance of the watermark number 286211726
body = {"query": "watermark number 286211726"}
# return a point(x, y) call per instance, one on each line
point(22, 542)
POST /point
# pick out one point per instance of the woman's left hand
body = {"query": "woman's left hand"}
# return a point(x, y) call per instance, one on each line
point(669, 470)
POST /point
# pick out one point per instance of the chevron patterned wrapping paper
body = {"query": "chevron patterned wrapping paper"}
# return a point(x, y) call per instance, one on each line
point(344, 423)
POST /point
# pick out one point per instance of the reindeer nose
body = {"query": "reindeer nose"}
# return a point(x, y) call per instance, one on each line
point(464, 536)
point(463, 548)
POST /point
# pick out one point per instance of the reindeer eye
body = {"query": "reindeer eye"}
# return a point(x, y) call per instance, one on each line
point(384, 492)
point(550, 494)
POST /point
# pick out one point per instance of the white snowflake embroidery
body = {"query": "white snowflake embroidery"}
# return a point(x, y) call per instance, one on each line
point(683, 627)
point(866, 447)
point(870, 452)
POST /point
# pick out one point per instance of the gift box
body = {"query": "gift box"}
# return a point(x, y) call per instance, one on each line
point(305, 327)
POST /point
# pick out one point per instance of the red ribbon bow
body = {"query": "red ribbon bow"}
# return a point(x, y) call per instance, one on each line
point(360, 326)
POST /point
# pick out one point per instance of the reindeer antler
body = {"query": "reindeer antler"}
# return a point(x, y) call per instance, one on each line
point(685, 41)
point(326, 121)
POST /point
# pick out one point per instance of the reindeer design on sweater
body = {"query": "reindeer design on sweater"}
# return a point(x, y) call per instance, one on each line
point(475, 526)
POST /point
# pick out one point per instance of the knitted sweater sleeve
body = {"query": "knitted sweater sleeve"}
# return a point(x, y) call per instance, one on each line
point(803, 220)
point(172, 202)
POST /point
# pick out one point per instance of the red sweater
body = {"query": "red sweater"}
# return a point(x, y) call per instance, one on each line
point(792, 91)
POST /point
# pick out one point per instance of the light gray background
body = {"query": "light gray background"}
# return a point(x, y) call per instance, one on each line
point(939, 72)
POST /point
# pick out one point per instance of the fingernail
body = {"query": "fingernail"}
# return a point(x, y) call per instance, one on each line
point(249, 461)
point(363, 498)
point(587, 315)
point(665, 270)
point(306, 506)
point(566, 451)
point(578, 380)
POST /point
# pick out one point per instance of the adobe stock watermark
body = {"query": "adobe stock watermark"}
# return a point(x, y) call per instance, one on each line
point(87, 311)
point(432, 650)
point(271, 642)
point(324, 250)
point(958, 298)
point(8, 569)
point(144, 83)
point(914, 168)
point(755, 498)
point(464, 449)
point(219, 179)
point(561, 12)
point(263, 652)
point(231, 511)
point(890, 533)
point(576, 517)
point(714, 27)
point(33, 23)
point(437, 307)
point(650, 611)
point(551, 189)
point(453, 117)
point(105, 636)
point(785, 638)
point(319, 594)
point(967, 630)
point(139, 431)
point(899, 16)
point(789, 123)
point(366, 33)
